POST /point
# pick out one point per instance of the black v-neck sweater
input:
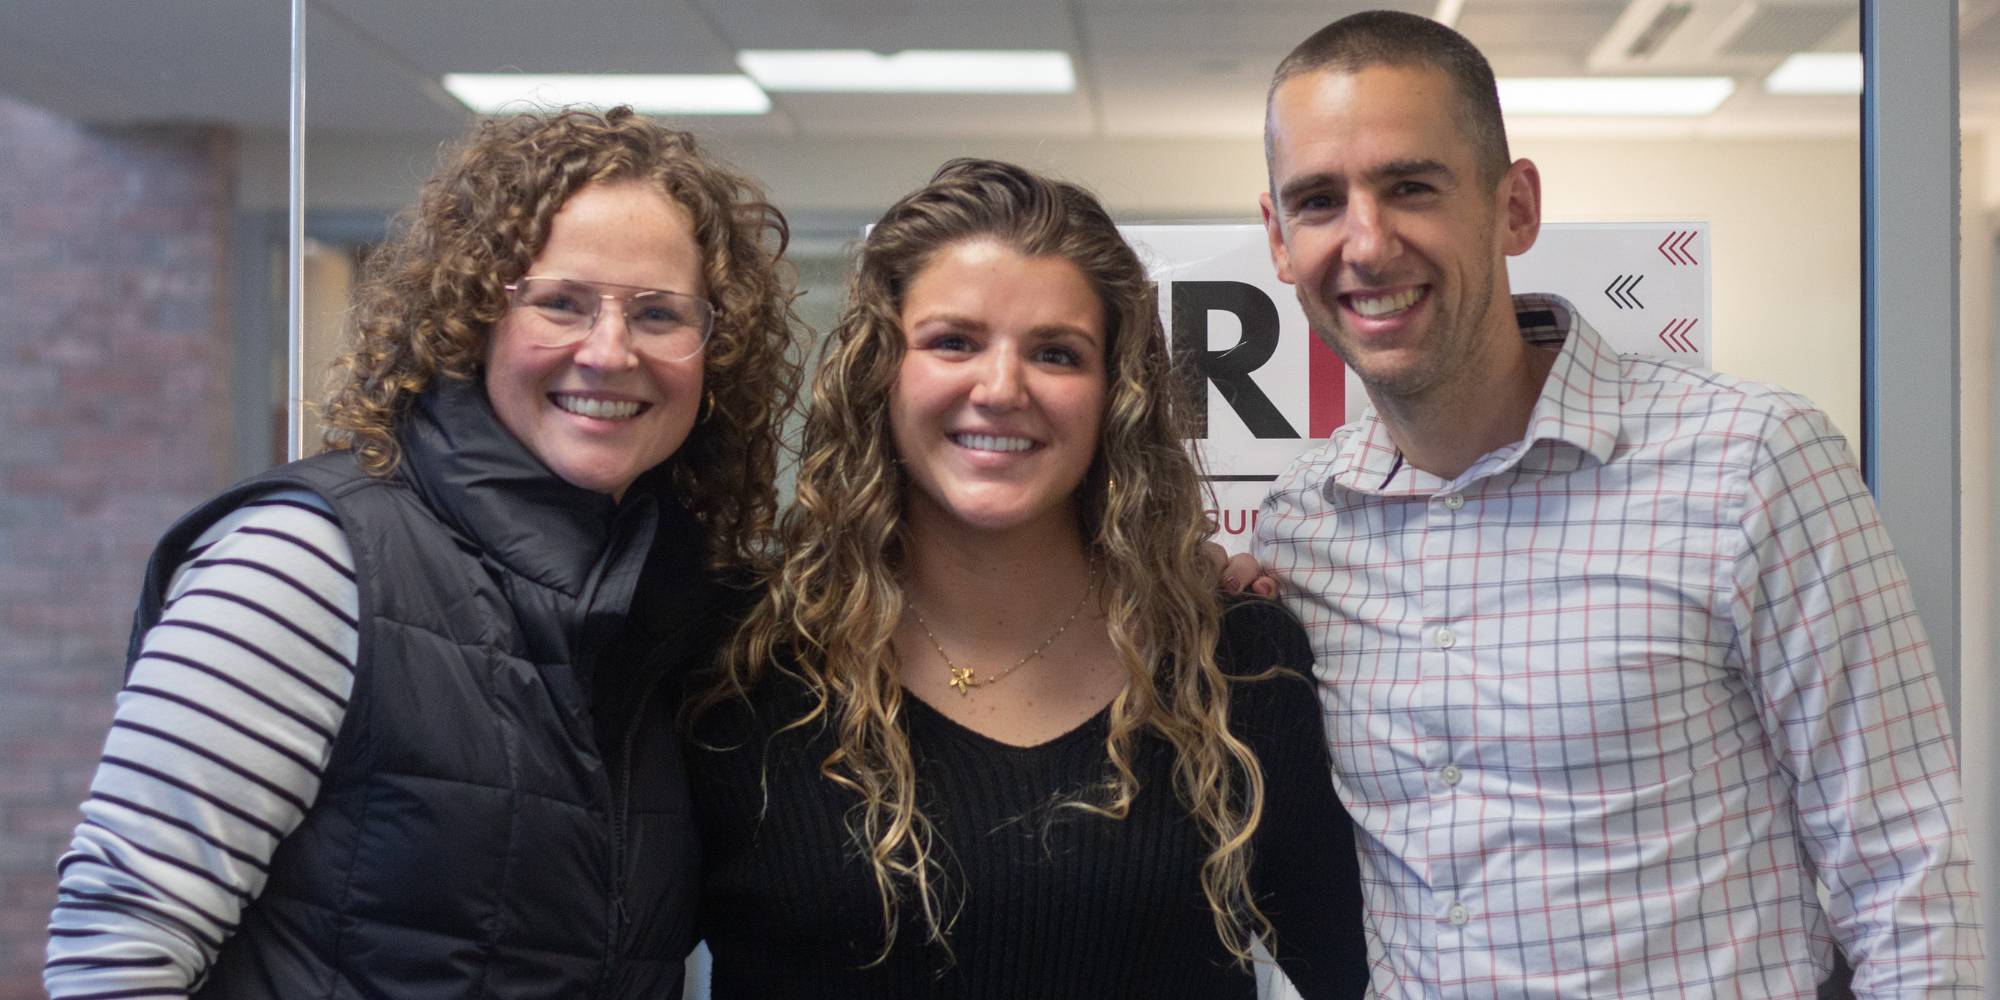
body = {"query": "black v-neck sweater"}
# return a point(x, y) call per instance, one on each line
point(1051, 902)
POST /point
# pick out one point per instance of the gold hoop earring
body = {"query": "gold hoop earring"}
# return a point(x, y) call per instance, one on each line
point(707, 406)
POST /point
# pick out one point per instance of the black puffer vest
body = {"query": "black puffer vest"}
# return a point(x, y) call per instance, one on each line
point(481, 831)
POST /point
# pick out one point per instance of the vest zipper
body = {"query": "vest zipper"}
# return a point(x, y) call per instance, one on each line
point(618, 782)
point(621, 811)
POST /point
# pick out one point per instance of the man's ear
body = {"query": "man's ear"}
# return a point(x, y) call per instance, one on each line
point(1520, 201)
point(1275, 233)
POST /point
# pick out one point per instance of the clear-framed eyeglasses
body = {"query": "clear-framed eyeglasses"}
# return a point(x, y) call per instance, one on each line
point(663, 325)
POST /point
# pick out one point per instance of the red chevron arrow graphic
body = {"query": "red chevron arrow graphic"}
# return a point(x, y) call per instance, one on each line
point(1675, 335)
point(1681, 247)
point(1674, 247)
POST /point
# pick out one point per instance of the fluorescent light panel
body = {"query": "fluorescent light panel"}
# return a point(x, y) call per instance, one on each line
point(1615, 96)
point(912, 71)
point(654, 94)
point(1817, 73)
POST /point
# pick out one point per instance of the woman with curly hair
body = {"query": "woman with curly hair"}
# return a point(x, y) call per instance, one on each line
point(381, 734)
point(990, 732)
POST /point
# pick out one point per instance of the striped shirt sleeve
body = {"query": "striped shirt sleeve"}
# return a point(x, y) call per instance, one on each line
point(215, 752)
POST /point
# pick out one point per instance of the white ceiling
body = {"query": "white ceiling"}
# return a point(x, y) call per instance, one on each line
point(1147, 68)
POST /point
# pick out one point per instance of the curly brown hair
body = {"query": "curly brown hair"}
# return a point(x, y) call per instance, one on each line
point(832, 611)
point(430, 295)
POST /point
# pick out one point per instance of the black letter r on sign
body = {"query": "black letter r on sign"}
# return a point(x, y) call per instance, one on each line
point(1230, 369)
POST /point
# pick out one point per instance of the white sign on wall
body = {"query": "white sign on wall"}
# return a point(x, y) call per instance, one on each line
point(1271, 389)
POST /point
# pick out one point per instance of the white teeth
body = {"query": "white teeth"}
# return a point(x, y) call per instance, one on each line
point(1383, 305)
point(991, 442)
point(602, 409)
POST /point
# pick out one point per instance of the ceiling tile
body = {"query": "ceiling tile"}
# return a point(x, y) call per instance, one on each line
point(1780, 29)
point(1213, 96)
point(1567, 26)
point(354, 84)
point(894, 25)
point(151, 61)
point(1147, 67)
point(534, 36)
point(1326, 12)
point(1266, 31)
point(375, 65)
point(937, 114)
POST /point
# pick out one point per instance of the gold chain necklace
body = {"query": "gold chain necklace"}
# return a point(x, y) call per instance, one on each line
point(965, 678)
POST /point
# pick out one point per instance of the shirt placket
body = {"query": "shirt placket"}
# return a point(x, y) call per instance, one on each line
point(1445, 652)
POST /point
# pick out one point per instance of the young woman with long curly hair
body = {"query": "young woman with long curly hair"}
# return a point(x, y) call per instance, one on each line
point(990, 731)
point(381, 734)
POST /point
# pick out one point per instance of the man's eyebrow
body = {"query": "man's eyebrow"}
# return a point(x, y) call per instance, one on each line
point(1392, 170)
point(1396, 169)
point(1293, 188)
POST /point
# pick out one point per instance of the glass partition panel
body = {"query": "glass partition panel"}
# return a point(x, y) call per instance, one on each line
point(140, 363)
point(1979, 442)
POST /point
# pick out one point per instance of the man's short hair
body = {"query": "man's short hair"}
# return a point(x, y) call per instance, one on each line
point(1393, 38)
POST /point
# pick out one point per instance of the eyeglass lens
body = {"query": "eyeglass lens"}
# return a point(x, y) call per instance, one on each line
point(662, 323)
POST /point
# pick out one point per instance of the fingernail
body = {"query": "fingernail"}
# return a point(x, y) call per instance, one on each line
point(1230, 584)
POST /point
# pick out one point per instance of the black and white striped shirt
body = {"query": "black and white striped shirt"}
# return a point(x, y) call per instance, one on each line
point(215, 753)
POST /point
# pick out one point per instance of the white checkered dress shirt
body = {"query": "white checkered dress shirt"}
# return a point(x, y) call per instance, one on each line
point(1603, 704)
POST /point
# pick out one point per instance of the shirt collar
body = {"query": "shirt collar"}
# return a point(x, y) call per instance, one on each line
point(1577, 408)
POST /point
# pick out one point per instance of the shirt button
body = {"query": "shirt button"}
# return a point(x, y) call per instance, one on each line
point(1454, 501)
point(1450, 775)
point(1446, 638)
point(1458, 915)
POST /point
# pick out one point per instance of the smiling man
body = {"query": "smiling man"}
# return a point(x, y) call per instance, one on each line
point(1618, 664)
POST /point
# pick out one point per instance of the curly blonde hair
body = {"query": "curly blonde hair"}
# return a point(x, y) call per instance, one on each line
point(830, 613)
point(431, 294)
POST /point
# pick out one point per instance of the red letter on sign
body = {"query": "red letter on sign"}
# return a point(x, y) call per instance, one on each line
point(1326, 388)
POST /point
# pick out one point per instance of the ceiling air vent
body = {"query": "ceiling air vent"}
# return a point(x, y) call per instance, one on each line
point(1655, 33)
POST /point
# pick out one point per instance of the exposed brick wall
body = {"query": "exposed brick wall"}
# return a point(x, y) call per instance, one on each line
point(114, 410)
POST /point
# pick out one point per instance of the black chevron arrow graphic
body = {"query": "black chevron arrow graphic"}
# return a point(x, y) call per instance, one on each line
point(1622, 291)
